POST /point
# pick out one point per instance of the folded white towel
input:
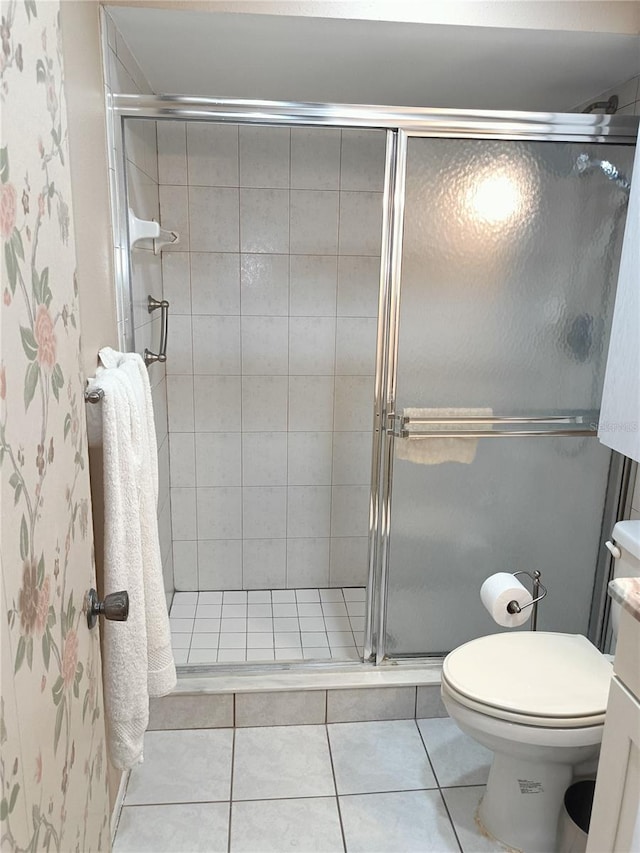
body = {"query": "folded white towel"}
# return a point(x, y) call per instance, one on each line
point(138, 661)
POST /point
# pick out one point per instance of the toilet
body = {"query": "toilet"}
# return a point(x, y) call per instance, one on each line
point(537, 699)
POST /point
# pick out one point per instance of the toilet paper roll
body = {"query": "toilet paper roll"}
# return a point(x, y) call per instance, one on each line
point(497, 591)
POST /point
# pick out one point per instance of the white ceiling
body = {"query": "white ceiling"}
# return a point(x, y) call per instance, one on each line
point(373, 62)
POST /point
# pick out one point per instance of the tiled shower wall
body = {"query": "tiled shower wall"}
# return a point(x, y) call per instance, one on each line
point(273, 290)
point(124, 75)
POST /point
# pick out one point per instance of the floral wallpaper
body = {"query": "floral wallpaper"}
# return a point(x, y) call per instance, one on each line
point(52, 738)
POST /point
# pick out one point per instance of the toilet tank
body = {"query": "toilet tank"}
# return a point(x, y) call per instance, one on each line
point(626, 543)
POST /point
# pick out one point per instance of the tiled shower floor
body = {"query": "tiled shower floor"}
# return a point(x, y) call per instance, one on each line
point(268, 625)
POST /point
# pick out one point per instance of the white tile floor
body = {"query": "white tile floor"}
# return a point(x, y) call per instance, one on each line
point(399, 785)
point(268, 625)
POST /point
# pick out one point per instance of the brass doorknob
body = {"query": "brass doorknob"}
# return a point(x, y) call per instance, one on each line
point(115, 607)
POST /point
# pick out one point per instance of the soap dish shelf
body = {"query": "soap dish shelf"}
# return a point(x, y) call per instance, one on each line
point(149, 229)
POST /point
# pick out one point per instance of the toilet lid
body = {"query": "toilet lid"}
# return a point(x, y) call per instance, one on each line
point(533, 673)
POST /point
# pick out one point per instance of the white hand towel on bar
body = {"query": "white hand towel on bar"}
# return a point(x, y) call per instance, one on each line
point(435, 451)
point(138, 661)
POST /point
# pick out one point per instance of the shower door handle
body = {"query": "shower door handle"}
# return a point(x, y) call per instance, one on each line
point(161, 355)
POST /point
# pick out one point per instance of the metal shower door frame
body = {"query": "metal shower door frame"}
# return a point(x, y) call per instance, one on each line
point(400, 123)
point(387, 364)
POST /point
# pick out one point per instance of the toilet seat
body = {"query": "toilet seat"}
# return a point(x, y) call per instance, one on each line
point(533, 678)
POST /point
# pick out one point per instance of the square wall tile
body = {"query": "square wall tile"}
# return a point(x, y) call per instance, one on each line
point(353, 403)
point(384, 703)
point(313, 285)
point(265, 285)
point(185, 565)
point(314, 222)
point(429, 703)
point(356, 346)
point(264, 403)
point(311, 403)
point(349, 561)
point(172, 152)
point(264, 156)
point(351, 458)
point(212, 151)
point(309, 511)
point(180, 403)
point(216, 344)
point(176, 282)
point(264, 512)
point(312, 346)
point(215, 283)
point(213, 219)
point(146, 279)
point(350, 510)
point(264, 220)
point(360, 223)
point(219, 564)
point(263, 565)
point(183, 514)
point(174, 215)
point(182, 459)
point(219, 513)
point(143, 193)
point(160, 414)
point(307, 562)
point(309, 458)
point(191, 712)
point(180, 347)
point(218, 458)
point(217, 403)
point(264, 459)
point(315, 158)
point(286, 708)
point(363, 156)
point(358, 286)
point(265, 345)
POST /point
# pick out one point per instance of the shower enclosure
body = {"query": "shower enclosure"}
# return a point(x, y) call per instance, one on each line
point(387, 339)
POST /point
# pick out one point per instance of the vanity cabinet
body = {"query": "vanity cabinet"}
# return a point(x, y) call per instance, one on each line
point(615, 820)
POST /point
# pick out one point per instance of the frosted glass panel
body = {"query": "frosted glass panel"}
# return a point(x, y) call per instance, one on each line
point(509, 266)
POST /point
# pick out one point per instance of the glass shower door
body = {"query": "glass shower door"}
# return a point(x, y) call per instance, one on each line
point(508, 269)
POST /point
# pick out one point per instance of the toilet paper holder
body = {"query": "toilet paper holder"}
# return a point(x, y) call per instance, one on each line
point(538, 592)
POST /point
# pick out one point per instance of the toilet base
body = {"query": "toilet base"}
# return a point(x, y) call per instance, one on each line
point(522, 802)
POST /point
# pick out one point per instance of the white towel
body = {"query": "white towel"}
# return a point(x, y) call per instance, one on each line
point(138, 661)
point(435, 451)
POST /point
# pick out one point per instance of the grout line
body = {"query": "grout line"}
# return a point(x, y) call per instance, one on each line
point(335, 787)
point(233, 761)
point(453, 826)
point(281, 799)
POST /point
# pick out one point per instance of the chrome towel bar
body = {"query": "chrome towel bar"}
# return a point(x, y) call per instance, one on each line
point(585, 424)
